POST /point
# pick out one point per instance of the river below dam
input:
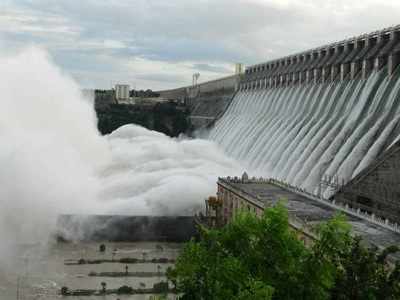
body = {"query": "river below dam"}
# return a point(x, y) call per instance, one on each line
point(39, 273)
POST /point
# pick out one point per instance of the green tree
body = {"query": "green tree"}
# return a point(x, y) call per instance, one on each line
point(364, 274)
point(262, 258)
point(230, 263)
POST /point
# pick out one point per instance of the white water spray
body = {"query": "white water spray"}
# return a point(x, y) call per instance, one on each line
point(53, 160)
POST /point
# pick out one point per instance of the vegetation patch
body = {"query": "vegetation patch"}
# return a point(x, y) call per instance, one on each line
point(263, 258)
point(168, 118)
point(126, 260)
point(125, 274)
point(158, 288)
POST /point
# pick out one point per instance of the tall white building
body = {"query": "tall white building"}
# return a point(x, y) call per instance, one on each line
point(239, 68)
point(122, 91)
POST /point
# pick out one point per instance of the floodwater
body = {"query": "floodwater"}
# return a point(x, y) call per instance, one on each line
point(40, 272)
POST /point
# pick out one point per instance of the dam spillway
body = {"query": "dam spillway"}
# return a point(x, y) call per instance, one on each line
point(328, 111)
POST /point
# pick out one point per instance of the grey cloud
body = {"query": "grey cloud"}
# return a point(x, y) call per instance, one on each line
point(168, 78)
point(201, 33)
point(211, 68)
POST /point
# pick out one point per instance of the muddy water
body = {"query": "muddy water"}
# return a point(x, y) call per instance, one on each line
point(38, 273)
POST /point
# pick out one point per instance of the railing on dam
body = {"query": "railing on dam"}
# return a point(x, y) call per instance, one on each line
point(349, 58)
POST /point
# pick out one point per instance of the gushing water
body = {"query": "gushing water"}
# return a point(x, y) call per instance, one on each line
point(302, 132)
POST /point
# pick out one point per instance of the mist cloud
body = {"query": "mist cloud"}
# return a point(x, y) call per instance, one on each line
point(50, 150)
point(152, 173)
point(53, 160)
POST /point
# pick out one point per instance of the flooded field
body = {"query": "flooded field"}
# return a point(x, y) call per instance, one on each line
point(39, 273)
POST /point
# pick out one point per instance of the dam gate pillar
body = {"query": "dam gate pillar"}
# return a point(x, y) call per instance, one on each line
point(356, 66)
point(345, 65)
point(393, 59)
point(393, 62)
point(368, 63)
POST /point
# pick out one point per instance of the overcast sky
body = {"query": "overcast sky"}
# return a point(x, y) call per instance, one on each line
point(159, 44)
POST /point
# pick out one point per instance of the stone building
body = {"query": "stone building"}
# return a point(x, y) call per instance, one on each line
point(305, 210)
point(234, 198)
point(255, 194)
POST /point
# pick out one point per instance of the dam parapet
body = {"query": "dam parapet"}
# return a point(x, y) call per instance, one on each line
point(350, 58)
point(190, 94)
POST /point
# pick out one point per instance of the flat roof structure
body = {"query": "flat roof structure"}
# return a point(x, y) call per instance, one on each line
point(305, 211)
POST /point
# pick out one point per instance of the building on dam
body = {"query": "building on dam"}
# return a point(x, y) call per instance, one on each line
point(305, 210)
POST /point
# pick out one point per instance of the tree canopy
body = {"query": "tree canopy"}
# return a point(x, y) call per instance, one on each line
point(263, 258)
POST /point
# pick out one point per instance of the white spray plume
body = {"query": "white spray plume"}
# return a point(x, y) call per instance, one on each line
point(154, 174)
point(54, 161)
point(50, 150)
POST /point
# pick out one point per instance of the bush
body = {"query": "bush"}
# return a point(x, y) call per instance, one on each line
point(124, 290)
point(161, 287)
point(64, 291)
point(128, 260)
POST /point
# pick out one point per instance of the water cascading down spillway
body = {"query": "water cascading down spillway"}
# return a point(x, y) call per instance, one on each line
point(329, 111)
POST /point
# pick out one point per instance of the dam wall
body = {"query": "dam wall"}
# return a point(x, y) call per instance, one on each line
point(117, 228)
point(226, 84)
point(376, 189)
point(210, 100)
point(208, 108)
point(325, 113)
point(206, 101)
point(347, 59)
point(174, 94)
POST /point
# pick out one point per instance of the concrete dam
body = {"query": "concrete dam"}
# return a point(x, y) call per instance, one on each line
point(326, 112)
